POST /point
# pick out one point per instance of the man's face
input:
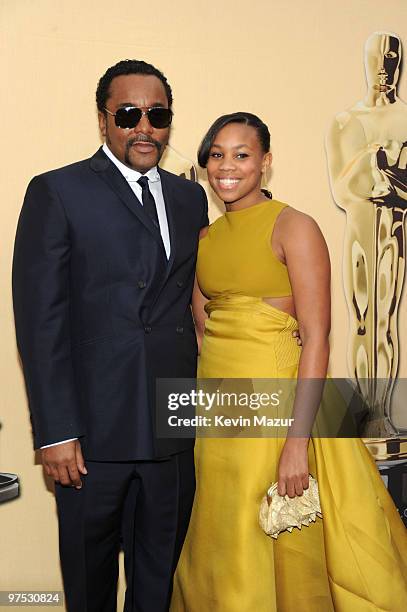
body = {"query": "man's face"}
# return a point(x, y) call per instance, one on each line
point(140, 147)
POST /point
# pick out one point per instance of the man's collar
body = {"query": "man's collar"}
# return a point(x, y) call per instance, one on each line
point(129, 174)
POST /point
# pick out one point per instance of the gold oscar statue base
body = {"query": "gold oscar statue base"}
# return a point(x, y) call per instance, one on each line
point(387, 449)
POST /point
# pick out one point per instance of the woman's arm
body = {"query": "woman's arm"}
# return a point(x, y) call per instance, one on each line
point(198, 304)
point(307, 259)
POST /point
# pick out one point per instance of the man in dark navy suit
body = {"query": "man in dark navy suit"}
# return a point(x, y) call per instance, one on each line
point(102, 279)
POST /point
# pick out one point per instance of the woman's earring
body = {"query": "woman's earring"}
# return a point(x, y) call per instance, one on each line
point(264, 182)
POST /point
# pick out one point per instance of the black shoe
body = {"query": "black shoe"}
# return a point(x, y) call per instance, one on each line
point(9, 487)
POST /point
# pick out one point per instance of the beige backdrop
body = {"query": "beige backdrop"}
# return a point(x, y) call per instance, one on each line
point(294, 63)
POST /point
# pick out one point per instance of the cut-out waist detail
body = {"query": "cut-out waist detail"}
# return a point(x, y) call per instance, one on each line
point(252, 306)
point(285, 303)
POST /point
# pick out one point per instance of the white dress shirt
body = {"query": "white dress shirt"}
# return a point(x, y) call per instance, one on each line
point(154, 183)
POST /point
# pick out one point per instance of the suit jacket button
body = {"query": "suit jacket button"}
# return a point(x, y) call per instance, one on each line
point(180, 284)
point(147, 329)
point(141, 284)
point(179, 330)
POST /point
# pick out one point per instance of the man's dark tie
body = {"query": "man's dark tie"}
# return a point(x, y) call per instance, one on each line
point(148, 200)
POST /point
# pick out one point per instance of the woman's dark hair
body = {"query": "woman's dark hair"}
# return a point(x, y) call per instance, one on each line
point(240, 117)
point(123, 68)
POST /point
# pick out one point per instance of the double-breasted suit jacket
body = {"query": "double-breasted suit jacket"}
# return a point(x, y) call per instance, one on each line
point(100, 312)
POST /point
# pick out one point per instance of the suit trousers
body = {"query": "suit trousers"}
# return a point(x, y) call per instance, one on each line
point(143, 506)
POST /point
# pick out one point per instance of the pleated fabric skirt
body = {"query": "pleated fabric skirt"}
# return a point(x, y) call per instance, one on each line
point(352, 560)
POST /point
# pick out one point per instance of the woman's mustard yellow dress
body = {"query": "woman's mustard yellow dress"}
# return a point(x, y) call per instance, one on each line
point(352, 560)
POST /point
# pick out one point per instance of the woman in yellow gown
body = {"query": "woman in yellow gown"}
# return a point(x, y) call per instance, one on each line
point(263, 272)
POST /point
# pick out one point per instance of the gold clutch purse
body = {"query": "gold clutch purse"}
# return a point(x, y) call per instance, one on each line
point(279, 514)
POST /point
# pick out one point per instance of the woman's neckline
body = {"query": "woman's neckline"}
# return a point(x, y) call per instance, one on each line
point(248, 208)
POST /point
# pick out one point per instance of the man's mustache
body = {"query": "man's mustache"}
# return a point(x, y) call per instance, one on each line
point(142, 138)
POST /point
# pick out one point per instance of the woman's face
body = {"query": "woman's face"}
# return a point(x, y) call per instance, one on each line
point(236, 162)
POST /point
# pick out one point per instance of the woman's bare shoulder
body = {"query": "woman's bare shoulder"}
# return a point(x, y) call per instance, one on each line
point(293, 222)
point(298, 232)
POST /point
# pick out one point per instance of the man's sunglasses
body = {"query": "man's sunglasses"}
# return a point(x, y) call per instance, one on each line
point(129, 116)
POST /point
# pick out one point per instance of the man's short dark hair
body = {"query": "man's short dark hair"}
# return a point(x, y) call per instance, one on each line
point(128, 67)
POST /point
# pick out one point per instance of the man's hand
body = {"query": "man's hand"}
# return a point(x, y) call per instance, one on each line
point(64, 463)
point(296, 335)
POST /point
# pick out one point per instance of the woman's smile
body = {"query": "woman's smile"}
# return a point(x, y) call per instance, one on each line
point(227, 183)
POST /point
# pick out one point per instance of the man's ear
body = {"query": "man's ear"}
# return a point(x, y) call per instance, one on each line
point(102, 123)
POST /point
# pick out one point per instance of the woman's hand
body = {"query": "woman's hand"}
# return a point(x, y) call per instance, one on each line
point(293, 467)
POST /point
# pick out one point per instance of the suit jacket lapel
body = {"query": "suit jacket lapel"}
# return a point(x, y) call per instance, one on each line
point(108, 172)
